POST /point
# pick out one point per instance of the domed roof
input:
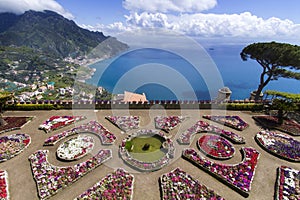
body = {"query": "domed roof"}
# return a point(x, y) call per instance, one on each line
point(225, 90)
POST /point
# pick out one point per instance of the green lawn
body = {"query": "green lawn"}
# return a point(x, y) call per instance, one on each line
point(153, 153)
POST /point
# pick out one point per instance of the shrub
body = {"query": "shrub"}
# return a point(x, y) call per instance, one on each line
point(32, 107)
point(245, 106)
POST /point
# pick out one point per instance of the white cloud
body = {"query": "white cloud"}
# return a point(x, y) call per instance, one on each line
point(111, 29)
point(20, 6)
point(164, 6)
point(243, 25)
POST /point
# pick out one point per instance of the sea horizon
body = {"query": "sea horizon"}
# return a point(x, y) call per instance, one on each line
point(241, 77)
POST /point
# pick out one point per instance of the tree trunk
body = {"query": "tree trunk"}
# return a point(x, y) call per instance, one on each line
point(2, 121)
point(258, 91)
point(280, 116)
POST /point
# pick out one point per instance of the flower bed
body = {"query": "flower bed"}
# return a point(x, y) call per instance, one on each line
point(118, 185)
point(4, 194)
point(14, 123)
point(125, 123)
point(168, 123)
point(238, 176)
point(216, 147)
point(288, 126)
point(147, 166)
point(288, 184)
point(75, 148)
point(177, 184)
point(279, 145)
point(105, 135)
point(201, 126)
point(12, 145)
point(52, 140)
point(50, 179)
point(232, 121)
point(56, 122)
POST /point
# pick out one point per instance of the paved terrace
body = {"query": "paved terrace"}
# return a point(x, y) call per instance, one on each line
point(146, 186)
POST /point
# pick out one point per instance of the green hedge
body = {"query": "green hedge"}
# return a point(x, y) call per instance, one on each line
point(32, 107)
point(228, 106)
point(245, 106)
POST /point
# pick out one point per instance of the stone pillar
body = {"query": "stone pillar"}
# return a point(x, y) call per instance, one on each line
point(224, 94)
point(253, 93)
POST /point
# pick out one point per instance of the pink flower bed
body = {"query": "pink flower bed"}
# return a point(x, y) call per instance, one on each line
point(216, 147)
point(168, 123)
point(12, 145)
point(14, 123)
point(232, 121)
point(238, 176)
point(288, 126)
point(280, 145)
point(4, 194)
point(288, 184)
point(177, 184)
point(118, 185)
point(201, 126)
point(52, 140)
point(125, 123)
point(56, 122)
point(104, 134)
point(50, 179)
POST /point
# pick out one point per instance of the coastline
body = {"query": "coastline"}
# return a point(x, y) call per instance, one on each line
point(85, 67)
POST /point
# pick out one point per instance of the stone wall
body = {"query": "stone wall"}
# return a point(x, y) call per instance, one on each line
point(69, 104)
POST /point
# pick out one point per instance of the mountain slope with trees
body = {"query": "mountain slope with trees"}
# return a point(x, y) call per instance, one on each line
point(52, 33)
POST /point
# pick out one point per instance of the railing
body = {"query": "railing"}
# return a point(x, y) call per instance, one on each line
point(166, 104)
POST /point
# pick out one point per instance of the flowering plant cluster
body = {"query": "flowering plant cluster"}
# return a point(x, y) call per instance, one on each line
point(288, 184)
point(125, 123)
point(280, 145)
point(216, 147)
point(50, 179)
point(118, 185)
point(4, 194)
point(232, 121)
point(52, 140)
point(288, 126)
point(13, 145)
point(201, 126)
point(75, 148)
point(239, 176)
point(105, 135)
point(177, 184)
point(95, 127)
point(168, 123)
point(56, 122)
point(148, 166)
point(14, 123)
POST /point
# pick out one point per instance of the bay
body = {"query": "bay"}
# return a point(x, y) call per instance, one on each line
point(163, 75)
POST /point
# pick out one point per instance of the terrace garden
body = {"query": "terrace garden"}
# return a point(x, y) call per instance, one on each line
point(150, 150)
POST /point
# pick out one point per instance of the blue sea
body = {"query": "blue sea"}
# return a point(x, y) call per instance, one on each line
point(165, 75)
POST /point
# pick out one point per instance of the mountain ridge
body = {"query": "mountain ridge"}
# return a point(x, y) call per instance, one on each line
point(52, 33)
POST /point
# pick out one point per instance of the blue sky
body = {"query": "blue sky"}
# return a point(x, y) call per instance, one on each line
point(233, 19)
point(95, 11)
point(109, 11)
